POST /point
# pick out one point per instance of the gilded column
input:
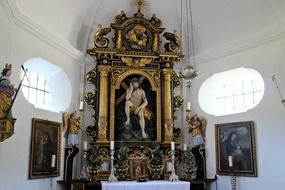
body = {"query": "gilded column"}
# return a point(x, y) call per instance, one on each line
point(167, 105)
point(155, 43)
point(119, 39)
point(103, 103)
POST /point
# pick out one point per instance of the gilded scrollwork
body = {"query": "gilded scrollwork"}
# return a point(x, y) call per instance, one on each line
point(99, 40)
point(91, 75)
point(176, 80)
point(174, 43)
point(115, 73)
point(91, 132)
point(156, 76)
point(177, 102)
point(90, 99)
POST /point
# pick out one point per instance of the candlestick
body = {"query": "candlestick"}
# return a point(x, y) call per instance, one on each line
point(188, 106)
point(185, 147)
point(85, 145)
point(112, 177)
point(112, 145)
point(53, 161)
point(230, 161)
point(173, 176)
point(81, 105)
point(172, 145)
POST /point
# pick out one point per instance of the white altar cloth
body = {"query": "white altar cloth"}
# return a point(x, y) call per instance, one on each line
point(149, 185)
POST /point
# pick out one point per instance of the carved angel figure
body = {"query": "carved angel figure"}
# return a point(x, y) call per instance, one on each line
point(71, 123)
point(197, 127)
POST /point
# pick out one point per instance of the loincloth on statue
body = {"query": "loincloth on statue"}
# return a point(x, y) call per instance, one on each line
point(146, 111)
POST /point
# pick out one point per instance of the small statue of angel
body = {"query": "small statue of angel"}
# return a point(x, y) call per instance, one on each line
point(197, 127)
point(71, 123)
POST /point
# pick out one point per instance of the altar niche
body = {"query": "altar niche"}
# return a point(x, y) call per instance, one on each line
point(135, 102)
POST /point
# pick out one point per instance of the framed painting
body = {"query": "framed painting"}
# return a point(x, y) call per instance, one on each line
point(235, 149)
point(45, 149)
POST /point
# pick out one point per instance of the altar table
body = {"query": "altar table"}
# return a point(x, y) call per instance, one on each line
point(149, 185)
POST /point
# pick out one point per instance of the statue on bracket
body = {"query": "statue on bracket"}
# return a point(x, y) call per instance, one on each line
point(8, 94)
point(197, 127)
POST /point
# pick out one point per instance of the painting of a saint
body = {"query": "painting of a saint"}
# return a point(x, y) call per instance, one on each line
point(135, 110)
point(137, 37)
point(236, 148)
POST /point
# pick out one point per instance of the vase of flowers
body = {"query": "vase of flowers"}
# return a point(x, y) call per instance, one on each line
point(94, 162)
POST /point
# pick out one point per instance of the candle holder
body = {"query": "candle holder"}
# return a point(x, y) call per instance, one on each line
point(112, 177)
point(173, 176)
point(83, 174)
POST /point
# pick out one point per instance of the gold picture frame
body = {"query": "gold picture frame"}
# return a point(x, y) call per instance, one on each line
point(236, 140)
point(45, 152)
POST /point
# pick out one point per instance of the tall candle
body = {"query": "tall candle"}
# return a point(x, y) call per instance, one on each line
point(52, 161)
point(112, 145)
point(188, 106)
point(85, 145)
point(230, 161)
point(185, 147)
point(172, 145)
point(81, 105)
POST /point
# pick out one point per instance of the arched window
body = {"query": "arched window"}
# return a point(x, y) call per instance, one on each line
point(46, 85)
point(232, 91)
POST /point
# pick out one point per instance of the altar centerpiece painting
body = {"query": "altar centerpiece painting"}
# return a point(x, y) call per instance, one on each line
point(235, 149)
point(45, 149)
point(135, 110)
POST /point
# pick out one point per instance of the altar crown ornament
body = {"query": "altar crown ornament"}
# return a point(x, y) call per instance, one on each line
point(8, 66)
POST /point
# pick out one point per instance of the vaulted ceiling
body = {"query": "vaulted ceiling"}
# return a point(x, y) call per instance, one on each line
point(220, 26)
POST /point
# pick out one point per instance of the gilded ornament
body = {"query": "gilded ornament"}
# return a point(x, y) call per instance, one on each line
point(176, 80)
point(177, 102)
point(91, 75)
point(91, 132)
point(136, 62)
point(99, 40)
point(89, 99)
point(174, 43)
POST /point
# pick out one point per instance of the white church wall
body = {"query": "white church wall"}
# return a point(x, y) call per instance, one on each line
point(15, 151)
point(268, 116)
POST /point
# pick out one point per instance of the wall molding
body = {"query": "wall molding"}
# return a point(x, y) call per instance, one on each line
point(15, 16)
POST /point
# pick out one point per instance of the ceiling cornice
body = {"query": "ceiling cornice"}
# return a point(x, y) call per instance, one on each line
point(25, 23)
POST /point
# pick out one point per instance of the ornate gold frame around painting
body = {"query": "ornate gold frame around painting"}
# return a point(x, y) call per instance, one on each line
point(42, 163)
point(131, 56)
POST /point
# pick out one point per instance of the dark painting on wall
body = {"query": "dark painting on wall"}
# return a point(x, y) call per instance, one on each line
point(235, 149)
point(45, 149)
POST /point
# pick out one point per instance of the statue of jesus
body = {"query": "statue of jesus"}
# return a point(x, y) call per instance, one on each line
point(135, 103)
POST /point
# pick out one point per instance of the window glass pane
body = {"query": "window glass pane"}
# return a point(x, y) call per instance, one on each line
point(238, 101)
point(33, 96)
point(41, 83)
point(248, 100)
point(257, 97)
point(238, 87)
point(248, 86)
point(228, 90)
point(228, 103)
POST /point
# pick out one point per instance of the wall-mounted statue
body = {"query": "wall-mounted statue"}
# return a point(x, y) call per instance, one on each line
point(197, 127)
point(8, 94)
point(7, 91)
